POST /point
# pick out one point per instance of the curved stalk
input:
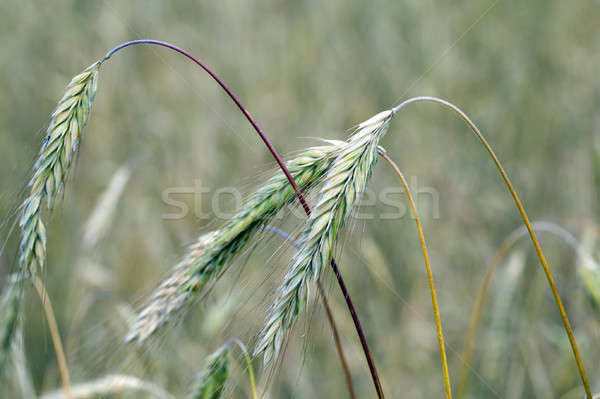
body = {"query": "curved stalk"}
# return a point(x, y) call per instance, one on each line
point(55, 334)
point(538, 248)
point(334, 266)
point(248, 365)
point(508, 243)
point(233, 97)
point(434, 302)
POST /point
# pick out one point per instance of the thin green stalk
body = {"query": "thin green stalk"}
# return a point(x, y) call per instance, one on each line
point(538, 248)
point(249, 365)
point(251, 376)
point(434, 302)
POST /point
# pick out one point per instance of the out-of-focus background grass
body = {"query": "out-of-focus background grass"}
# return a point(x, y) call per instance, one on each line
point(526, 72)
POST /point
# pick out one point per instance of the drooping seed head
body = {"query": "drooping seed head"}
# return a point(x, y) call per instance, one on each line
point(54, 161)
point(344, 183)
point(205, 263)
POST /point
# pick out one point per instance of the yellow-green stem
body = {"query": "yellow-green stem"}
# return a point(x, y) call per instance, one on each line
point(248, 365)
point(251, 376)
point(536, 244)
point(434, 302)
point(54, 333)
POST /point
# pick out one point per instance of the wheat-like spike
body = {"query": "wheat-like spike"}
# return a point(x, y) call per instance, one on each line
point(344, 183)
point(114, 385)
point(210, 257)
point(168, 297)
point(210, 383)
point(10, 302)
point(59, 148)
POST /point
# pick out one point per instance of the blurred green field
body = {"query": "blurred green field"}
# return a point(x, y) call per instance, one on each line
point(526, 72)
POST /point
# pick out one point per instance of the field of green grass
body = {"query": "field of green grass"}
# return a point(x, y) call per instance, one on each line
point(166, 156)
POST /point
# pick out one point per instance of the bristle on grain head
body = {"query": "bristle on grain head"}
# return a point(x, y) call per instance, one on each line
point(212, 255)
point(345, 181)
point(59, 148)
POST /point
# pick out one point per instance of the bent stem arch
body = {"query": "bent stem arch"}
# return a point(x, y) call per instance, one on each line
point(248, 361)
point(538, 248)
point(508, 243)
point(233, 97)
point(434, 302)
point(282, 166)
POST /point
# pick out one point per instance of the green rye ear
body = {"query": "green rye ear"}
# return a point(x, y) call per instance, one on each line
point(344, 183)
point(59, 148)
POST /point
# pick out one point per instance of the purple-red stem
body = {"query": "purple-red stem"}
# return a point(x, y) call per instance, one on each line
point(235, 100)
point(336, 270)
